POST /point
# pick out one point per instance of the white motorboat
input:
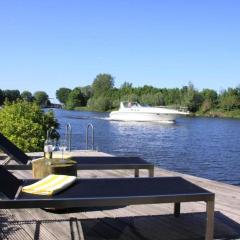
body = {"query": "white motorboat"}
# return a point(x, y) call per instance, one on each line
point(135, 112)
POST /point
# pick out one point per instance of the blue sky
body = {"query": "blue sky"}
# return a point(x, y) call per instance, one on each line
point(46, 44)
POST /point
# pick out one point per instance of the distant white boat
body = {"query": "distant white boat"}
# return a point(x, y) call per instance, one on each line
point(135, 112)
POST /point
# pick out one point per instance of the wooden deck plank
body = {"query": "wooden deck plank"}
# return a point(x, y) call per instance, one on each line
point(11, 229)
point(33, 226)
point(153, 221)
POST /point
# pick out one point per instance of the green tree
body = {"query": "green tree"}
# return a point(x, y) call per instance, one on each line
point(126, 88)
point(41, 98)
point(75, 99)
point(147, 99)
point(210, 94)
point(2, 97)
point(25, 124)
point(102, 85)
point(130, 98)
point(87, 93)
point(12, 95)
point(210, 98)
point(62, 94)
point(27, 96)
point(158, 99)
point(192, 98)
point(230, 99)
point(101, 103)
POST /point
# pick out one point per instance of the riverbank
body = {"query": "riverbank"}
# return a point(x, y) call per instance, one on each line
point(87, 109)
point(219, 114)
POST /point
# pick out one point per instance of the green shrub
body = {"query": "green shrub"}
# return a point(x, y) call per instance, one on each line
point(152, 99)
point(25, 124)
point(100, 103)
point(75, 99)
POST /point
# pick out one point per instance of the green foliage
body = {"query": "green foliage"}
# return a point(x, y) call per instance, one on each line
point(210, 99)
point(12, 95)
point(2, 97)
point(192, 98)
point(103, 96)
point(25, 124)
point(126, 89)
point(75, 99)
point(152, 99)
point(206, 106)
point(41, 98)
point(230, 99)
point(87, 93)
point(100, 104)
point(210, 95)
point(130, 98)
point(27, 96)
point(62, 94)
point(115, 104)
point(102, 85)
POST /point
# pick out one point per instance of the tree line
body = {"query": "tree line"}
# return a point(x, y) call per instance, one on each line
point(39, 97)
point(102, 95)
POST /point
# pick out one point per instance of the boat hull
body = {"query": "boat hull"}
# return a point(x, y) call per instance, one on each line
point(142, 117)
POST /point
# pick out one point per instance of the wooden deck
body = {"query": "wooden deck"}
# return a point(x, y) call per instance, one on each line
point(132, 222)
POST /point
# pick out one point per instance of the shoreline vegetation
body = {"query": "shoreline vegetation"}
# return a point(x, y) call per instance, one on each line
point(103, 96)
point(235, 114)
point(22, 117)
point(215, 113)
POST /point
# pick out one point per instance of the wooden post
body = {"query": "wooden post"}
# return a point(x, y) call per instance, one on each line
point(151, 172)
point(136, 173)
point(210, 221)
point(177, 207)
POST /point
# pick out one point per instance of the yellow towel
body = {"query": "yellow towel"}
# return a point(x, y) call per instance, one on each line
point(50, 185)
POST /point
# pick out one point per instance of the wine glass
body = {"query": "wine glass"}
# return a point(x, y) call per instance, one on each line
point(63, 147)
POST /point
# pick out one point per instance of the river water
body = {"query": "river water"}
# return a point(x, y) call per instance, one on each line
point(205, 147)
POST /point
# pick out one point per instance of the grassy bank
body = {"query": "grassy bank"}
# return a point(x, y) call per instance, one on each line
point(88, 109)
point(220, 113)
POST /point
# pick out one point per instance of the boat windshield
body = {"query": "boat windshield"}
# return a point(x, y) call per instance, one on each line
point(131, 104)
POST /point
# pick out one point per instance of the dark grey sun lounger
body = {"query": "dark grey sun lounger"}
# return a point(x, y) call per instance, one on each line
point(83, 163)
point(109, 192)
point(12, 150)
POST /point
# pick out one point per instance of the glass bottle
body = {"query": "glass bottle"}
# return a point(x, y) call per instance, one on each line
point(48, 149)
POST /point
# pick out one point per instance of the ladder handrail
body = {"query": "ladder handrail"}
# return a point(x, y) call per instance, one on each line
point(92, 127)
point(69, 136)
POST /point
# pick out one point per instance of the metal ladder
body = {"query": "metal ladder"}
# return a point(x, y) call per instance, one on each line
point(68, 135)
point(92, 127)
